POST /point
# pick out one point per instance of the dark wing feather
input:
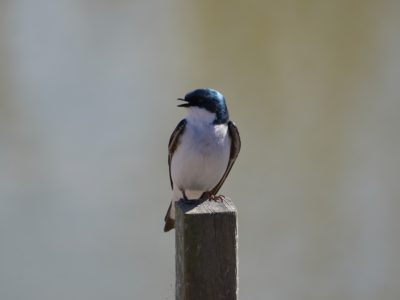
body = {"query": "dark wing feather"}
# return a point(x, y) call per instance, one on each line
point(173, 143)
point(235, 149)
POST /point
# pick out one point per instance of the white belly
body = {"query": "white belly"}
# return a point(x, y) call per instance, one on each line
point(201, 159)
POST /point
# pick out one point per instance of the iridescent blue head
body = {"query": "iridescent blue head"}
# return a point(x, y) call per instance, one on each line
point(210, 100)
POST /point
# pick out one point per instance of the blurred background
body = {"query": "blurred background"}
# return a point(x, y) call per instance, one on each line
point(87, 105)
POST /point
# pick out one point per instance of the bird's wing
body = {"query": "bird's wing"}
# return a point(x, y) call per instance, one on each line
point(235, 149)
point(173, 143)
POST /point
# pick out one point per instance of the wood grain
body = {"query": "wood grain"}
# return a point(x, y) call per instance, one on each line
point(206, 250)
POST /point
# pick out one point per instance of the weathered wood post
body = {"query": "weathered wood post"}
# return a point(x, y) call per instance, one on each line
point(206, 240)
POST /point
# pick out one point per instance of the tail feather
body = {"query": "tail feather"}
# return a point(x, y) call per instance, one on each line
point(169, 221)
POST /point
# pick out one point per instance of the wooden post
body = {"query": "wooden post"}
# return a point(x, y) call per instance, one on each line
point(206, 251)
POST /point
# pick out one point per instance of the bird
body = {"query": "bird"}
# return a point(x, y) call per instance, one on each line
point(201, 150)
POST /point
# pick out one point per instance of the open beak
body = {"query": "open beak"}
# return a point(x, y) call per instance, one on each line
point(184, 104)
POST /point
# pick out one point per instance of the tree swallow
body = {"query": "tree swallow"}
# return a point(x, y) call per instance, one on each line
point(202, 150)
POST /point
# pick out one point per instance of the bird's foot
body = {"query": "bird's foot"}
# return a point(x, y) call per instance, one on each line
point(217, 198)
point(211, 197)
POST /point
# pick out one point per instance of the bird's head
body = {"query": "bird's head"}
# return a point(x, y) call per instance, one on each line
point(206, 102)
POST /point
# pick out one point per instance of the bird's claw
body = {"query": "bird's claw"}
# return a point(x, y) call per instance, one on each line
point(217, 198)
point(211, 197)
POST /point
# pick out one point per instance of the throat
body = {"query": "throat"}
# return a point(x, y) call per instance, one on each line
point(200, 116)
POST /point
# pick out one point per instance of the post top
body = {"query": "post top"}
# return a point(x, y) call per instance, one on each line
point(207, 207)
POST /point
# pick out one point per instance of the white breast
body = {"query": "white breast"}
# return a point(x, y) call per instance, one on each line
point(202, 155)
